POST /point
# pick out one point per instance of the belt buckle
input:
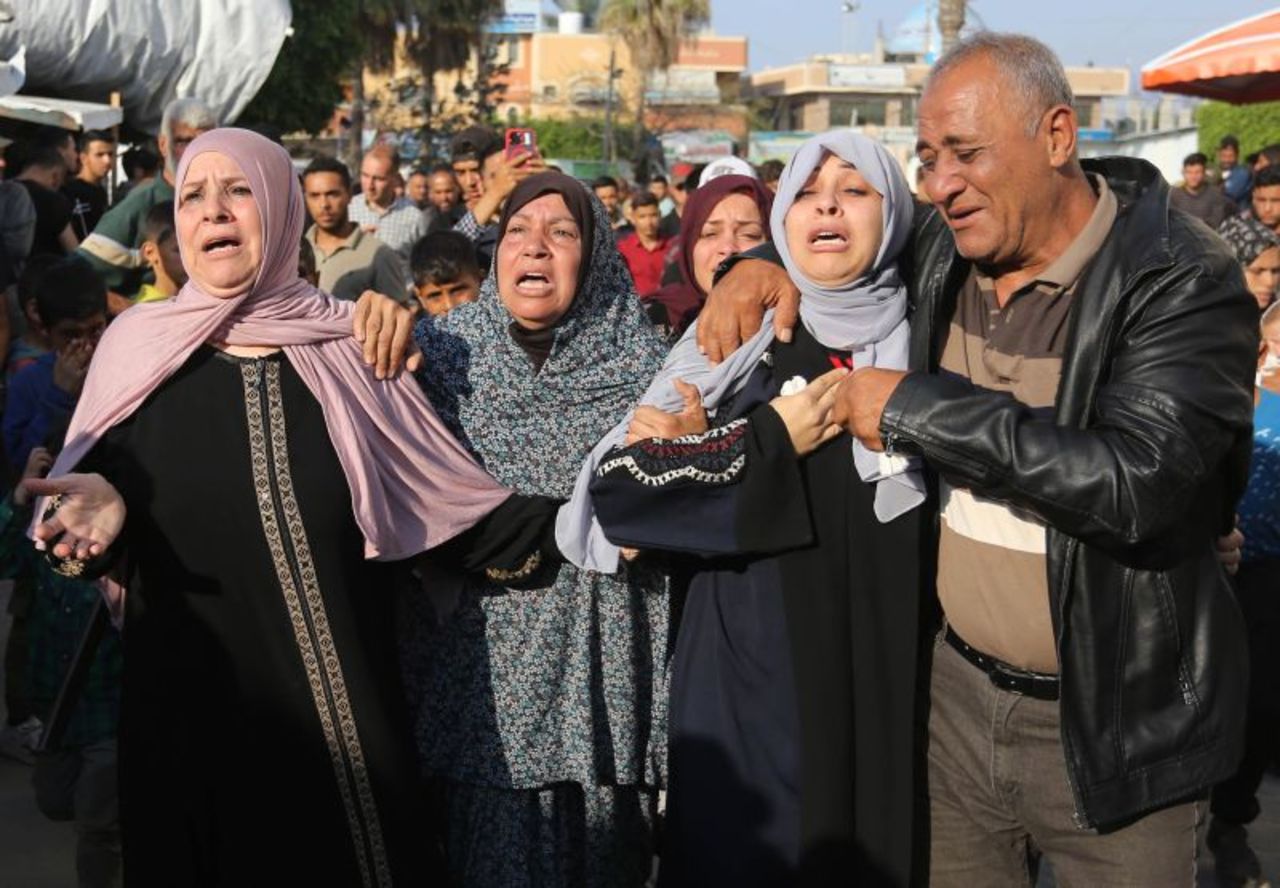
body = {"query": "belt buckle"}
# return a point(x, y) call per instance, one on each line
point(1022, 685)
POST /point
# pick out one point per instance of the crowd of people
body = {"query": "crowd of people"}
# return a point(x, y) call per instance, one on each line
point(468, 523)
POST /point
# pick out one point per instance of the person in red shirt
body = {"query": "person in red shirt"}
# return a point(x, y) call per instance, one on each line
point(644, 250)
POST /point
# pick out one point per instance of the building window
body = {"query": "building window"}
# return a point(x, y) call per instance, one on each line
point(908, 113)
point(857, 112)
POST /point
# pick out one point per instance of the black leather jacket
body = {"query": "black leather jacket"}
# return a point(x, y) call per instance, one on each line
point(1136, 474)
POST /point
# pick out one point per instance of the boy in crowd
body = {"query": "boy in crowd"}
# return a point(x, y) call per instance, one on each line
point(31, 340)
point(659, 188)
point(160, 252)
point(606, 188)
point(71, 303)
point(645, 250)
point(446, 272)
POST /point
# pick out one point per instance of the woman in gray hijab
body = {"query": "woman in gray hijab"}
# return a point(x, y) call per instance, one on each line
point(794, 680)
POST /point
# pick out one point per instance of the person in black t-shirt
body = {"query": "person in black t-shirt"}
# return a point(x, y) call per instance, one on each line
point(87, 191)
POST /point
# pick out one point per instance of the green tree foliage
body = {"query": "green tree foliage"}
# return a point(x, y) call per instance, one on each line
point(306, 82)
point(332, 39)
point(1256, 126)
point(580, 137)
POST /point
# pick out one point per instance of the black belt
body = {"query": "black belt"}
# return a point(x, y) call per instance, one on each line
point(1038, 685)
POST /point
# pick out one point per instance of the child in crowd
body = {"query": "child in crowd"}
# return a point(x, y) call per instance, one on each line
point(446, 272)
point(30, 340)
point(75, 774)
point(71, 305)
point(160, 250)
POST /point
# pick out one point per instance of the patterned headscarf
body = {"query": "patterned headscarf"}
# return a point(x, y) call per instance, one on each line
point(603, 355)
point(575, 669)
point(1248, 237)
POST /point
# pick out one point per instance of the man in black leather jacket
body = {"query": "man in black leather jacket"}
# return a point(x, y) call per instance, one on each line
point(1082, 392)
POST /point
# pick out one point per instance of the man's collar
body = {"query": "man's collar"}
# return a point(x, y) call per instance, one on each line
point(1064, 270)
point(379, 210)
point(351, 242)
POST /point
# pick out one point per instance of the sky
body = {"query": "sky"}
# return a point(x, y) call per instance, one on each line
point(1120, 33)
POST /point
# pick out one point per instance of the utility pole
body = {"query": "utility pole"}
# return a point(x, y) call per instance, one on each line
point(849, 9)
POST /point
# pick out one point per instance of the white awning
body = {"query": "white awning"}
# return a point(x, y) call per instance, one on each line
point(65, 113)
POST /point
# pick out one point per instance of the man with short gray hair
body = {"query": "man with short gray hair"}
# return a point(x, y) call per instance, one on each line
point(113, 247)
point(1081, 392)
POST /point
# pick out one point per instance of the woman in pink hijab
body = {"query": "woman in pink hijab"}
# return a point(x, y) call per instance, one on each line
point(256, 486)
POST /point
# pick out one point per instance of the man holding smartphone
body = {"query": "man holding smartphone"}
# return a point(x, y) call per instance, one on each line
point(487, 175)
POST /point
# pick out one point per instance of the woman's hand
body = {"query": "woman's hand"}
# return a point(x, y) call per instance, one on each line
point(385, 328)
point(650, 422)
point(808, 413)
point(89, 516)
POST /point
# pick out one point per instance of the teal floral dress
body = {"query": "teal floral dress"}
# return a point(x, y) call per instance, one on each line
point(542, 712)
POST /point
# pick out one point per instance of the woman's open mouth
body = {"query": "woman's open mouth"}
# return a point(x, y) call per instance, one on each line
point(826, 240)
point(220, 246)
point(533, 283)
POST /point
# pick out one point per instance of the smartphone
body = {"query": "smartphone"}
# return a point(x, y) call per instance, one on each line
point(520, 141)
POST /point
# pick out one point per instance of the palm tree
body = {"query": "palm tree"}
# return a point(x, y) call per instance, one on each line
point(439, 36)
point(652, 29)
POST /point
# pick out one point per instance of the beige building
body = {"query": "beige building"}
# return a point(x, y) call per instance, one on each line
point(833, 91)
point(562, 75)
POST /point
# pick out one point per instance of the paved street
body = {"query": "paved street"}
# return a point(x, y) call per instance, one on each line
point(35, 853)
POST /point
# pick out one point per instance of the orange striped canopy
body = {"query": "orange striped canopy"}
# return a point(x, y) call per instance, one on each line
point(1238, 63)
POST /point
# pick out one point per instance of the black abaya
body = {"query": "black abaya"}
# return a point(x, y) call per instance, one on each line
point(263, 734)
point(794, 680)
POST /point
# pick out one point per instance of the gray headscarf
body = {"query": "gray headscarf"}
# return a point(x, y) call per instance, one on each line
point(867, 317)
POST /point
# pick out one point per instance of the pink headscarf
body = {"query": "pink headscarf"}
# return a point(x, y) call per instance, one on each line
point(412, 485)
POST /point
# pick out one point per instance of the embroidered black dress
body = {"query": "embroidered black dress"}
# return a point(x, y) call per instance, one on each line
point(263, 734)
point(793, 690)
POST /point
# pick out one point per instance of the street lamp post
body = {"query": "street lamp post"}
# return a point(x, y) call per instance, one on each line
point(849, 8)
